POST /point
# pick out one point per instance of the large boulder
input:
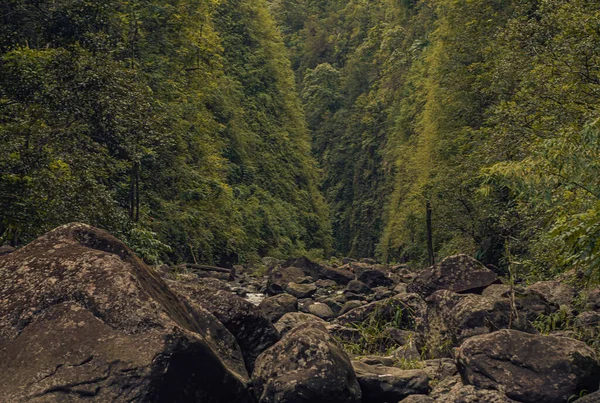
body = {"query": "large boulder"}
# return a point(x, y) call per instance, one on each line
point(529, 368)
point(292, 319)
point(459, 273)
point(253, 331)
point(306, 365)
point(375, 278)
point(453, 318)
point(320, 272)
point(381, 384)
point(555, 292)
point(82, 317)
point(278, 305)
point(301, 290)
point(280, 277)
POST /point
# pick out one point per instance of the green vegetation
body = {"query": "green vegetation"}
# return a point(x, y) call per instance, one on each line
point(187, 128)
point(486, 111)
point(171, 123)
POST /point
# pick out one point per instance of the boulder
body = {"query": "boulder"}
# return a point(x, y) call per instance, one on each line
point(459, 273)
point(418, 399)
point(306, 365)
point(6, 249)
point(400, 288)
point(593, 299)
point(82, 317)
point(253, 331)
point(529, 368)
point(452, 390)
point(380, 293)
point(276, 306)
point(452, 318)
point(350, 305)
point(531, 304)
point(328, 284)
point(301, 290)
point(591, 398)
point(380, 384)
point(334, 303)
point(590, 319)
point(375, 278)
point(321, 310)
point(292, 319)
point(555, 292)
point(319, 272)
point(279, 278)
point(358, 287)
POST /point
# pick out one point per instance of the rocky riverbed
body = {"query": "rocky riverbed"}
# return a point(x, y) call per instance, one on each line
point(83, 319)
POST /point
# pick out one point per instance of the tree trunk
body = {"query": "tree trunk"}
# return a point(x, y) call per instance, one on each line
point(429, 235)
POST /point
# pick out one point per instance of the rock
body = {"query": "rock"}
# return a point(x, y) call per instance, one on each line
point(401, 288)
point(410, 344)
point(306, 365)
point(301, 290)
point(380, 293)
point(555, 292)
point(459, 273)
point(326, 284)
point(418, 399)
point(253, 331)
point(375, 278)
point(589, 319)
point(591, 398)
point(333, 304)
point(348, 306)
point(270, 262)
point(452, 318)
point(351, 296)
point(317, 271)
point(408, 310)
point(367, 260)
point(530, 303)
point(6, 249)
point(292, 319)
point(279, 278)
point(381, 384)
point(497, 291)
point(321, 310)
point(82, 317)
point(358, 287)
point(277, 306)
point(377, 360)
point(529, 368)
point(452, 390)
point(593, 300)
point(440, 369)
point(407, 352)
point(348, 260)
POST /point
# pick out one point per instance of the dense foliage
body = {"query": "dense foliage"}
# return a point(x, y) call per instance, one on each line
point(177, 125)
point(172, 123)
point(487, 111)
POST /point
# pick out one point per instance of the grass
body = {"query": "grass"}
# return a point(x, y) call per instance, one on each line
point(374, 338)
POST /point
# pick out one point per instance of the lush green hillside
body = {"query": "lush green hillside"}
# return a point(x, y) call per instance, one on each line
point(486, 111)
point(186, 126)
point(173, 123)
